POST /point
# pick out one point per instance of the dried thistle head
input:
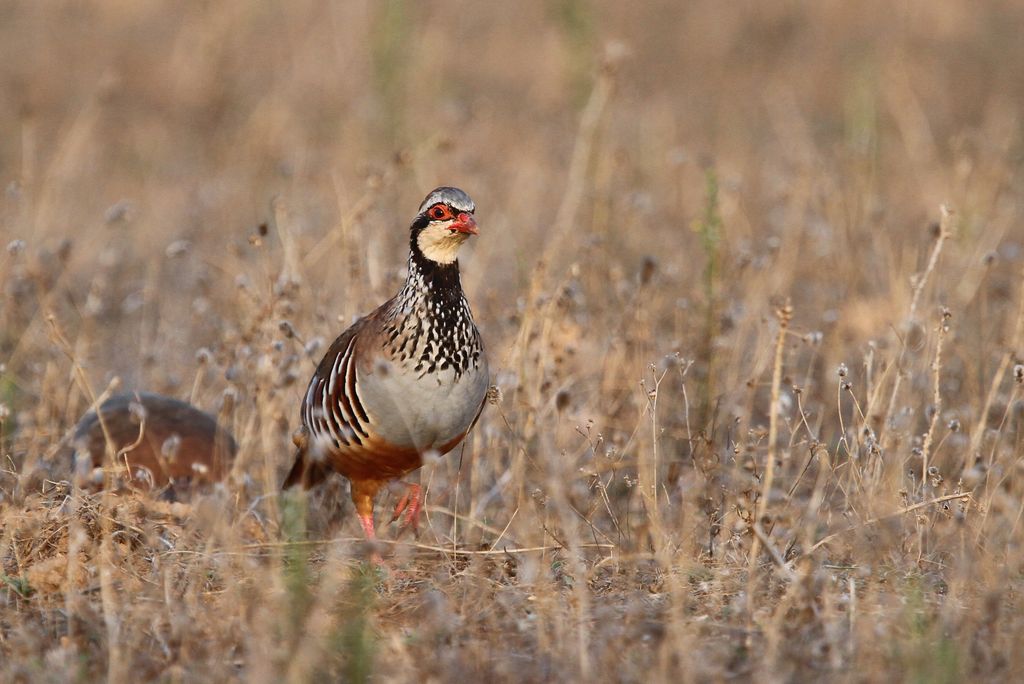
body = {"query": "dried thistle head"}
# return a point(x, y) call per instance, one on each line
point(204, 356)
point(137, 411)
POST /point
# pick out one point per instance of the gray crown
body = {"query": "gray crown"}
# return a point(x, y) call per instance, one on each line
point(453, 197)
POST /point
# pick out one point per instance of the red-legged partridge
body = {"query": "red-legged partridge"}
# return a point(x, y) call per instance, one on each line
point(159, 442)
point(406, 380)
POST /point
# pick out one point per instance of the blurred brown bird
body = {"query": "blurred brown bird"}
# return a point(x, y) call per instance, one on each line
point(407, 380)
point(159, 442)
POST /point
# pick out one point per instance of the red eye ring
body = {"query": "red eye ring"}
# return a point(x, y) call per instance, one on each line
point(439, 212)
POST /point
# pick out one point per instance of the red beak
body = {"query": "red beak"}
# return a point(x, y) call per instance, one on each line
point(465, 224)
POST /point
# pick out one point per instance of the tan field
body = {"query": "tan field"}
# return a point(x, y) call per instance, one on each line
point(751, 280)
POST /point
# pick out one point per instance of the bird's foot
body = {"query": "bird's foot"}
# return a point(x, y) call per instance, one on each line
point(366, 522)
point(409, 508)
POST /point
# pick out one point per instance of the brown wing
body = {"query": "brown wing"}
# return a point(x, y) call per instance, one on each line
point(333, 418)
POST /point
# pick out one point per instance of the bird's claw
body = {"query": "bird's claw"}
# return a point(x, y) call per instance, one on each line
point(409, 508)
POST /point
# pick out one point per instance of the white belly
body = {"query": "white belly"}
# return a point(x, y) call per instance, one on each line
point(422, 412)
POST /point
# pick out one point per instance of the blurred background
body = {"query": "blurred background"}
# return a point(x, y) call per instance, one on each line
point(197, 197)
point(835, 129)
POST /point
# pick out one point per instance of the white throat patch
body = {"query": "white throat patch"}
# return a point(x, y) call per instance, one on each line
point(440, 244)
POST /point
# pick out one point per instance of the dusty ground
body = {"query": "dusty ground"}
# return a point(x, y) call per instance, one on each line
point(761, 397)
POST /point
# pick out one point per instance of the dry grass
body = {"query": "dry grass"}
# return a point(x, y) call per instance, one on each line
point(761, 412)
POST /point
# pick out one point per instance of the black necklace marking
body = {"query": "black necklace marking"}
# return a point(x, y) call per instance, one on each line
point(429, 322)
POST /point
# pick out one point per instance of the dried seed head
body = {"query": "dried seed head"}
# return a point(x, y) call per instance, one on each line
point(15, 247)
point(954, 425)
point(813, 338)
point(204, 356)
point(178, 248)
point(1018, 373)
point(228, 398)
point(287, 329)
point(121, 212)
point(784, 312)
point(314, 345)
point(843, 371)
point(137, 410)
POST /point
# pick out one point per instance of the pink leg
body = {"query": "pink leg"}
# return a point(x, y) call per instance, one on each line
point(363, 492)
point(367, 523)
point(411, 504)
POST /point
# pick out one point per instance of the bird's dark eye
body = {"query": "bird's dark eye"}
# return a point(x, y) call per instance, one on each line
point(438, 213)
